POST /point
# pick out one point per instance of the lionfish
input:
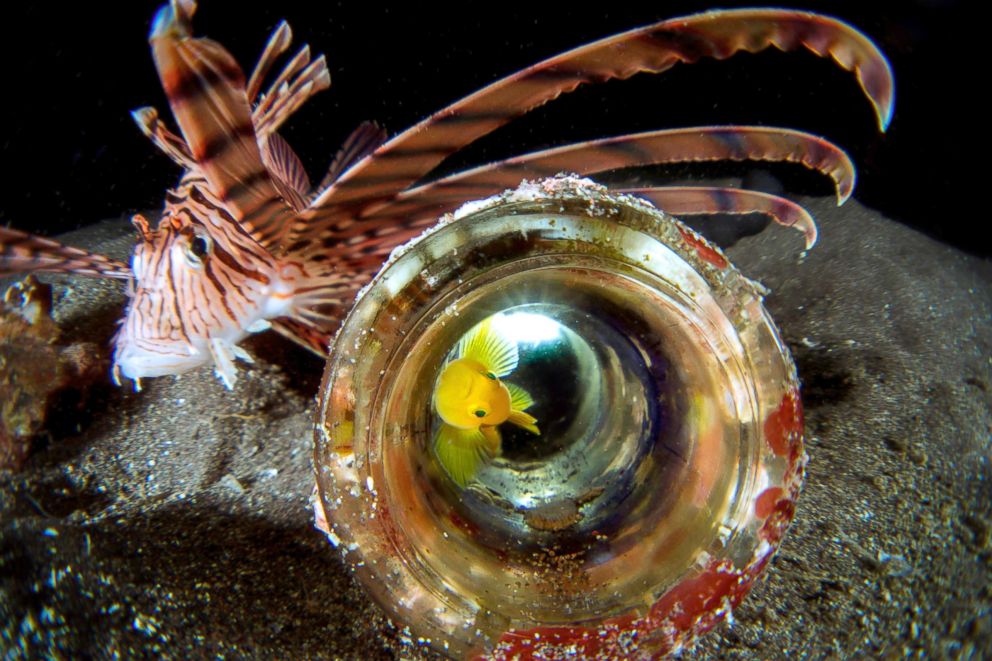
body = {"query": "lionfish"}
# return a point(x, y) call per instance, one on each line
point(245, 243)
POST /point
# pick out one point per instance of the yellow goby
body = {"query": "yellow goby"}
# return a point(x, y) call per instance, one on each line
point(472, 401)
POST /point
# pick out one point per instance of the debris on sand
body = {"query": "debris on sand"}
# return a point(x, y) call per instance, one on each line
point(35, 366)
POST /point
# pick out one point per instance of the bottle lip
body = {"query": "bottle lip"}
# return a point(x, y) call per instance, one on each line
point(354, 488)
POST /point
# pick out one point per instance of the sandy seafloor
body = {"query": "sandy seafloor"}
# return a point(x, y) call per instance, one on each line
point(175, 522)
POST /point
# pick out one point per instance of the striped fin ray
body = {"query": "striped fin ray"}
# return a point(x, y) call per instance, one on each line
point(371, 240)
point(277, 44)
point(412, 154)
point(324, 305)
point(21, 252)
point(318, 306)
point(368, 254)
point(305, 334)
point(206, 91)
point(168, 142)
point(287, 171)
point(300, 80)
point(697, 144)
point(705, 200)
point(364, 140)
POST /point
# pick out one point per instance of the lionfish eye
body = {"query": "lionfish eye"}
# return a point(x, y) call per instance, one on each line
point(480, 413)
point(490, 375)
point(199, 246)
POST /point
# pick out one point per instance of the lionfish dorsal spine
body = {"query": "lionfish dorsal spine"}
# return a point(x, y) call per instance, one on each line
point(300, 80)
point(287, 171)
point(277, 44)
point(652, 49)
point(168, 142)
point(384, 175)
point(421, 204)
point(361, 142)
point(207, 94)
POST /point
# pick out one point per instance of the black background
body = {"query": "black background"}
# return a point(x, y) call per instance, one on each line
point(71, 154)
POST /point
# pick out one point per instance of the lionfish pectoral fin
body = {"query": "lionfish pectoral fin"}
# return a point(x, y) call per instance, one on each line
point(707, 200)
point(241, 354)
point(423, 204)
point(21, 252)
point(307, 335)
point(460, 452)
point(318, 305)
point(483, 343)
point(224, 353)
point(206, 91)
point(259, 326)
point(696, 144)
point(524, 421)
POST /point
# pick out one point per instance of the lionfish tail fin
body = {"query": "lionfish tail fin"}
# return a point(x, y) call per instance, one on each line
point(21, 252)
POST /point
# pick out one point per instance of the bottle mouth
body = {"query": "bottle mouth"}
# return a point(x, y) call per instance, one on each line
point(637, 425)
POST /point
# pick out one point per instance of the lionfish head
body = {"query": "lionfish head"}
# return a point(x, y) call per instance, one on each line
point(192, 299)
